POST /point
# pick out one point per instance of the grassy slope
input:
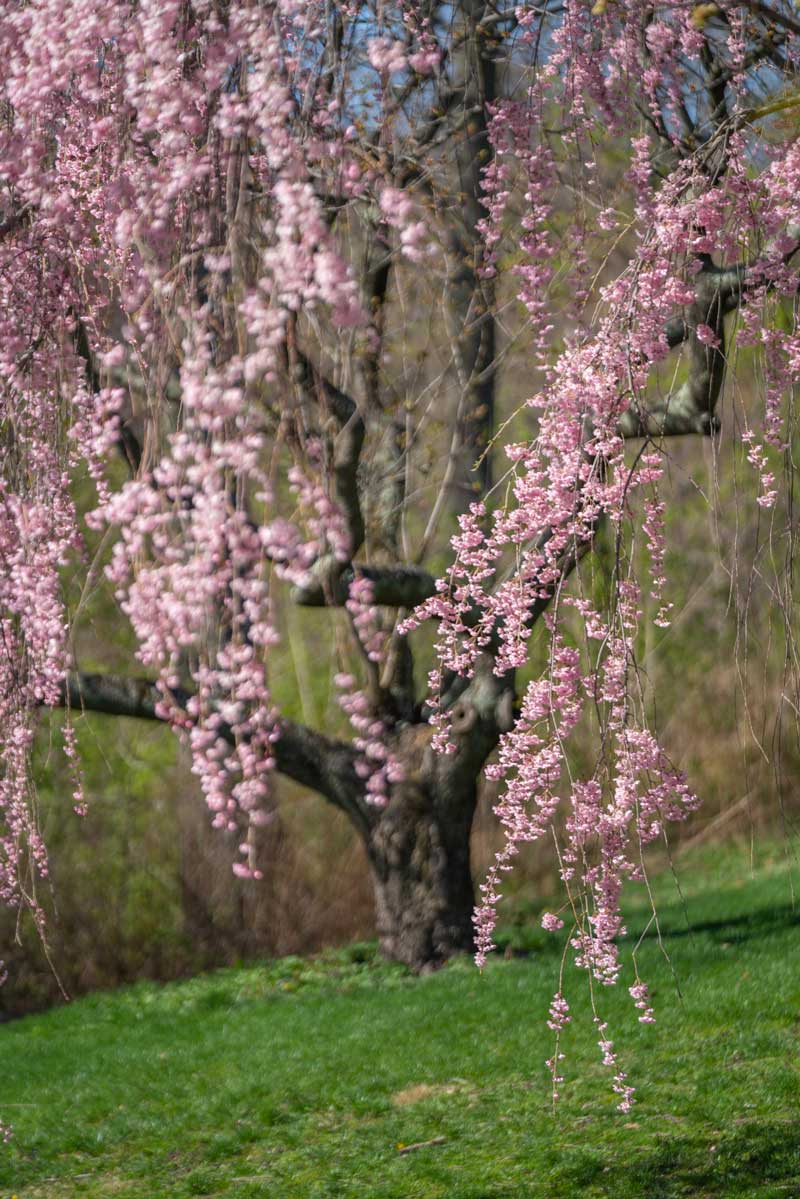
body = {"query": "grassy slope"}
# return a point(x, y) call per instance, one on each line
point(305, 1079)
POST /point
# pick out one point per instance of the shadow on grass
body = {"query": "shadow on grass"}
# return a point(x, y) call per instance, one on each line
point(735, 928)
point(520, 941)
point(743, 1161)
point(754, 1160)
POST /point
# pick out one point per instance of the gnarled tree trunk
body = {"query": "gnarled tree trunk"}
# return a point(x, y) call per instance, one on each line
point(419, 854)
point(418, 846)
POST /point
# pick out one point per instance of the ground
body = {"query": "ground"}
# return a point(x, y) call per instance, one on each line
point(344, 1077)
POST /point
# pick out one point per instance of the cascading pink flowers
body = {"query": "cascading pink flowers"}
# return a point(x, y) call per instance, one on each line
point(576, 473)
point(132, 138)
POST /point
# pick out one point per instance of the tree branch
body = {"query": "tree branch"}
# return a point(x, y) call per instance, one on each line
point(301, 754)
point(16, 219)
point(347, 443)
point(393, 586)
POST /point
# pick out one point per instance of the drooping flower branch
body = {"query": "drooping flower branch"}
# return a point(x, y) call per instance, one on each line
point(697, 247)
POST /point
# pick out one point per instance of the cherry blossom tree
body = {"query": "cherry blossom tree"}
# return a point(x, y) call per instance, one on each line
point(230, 232)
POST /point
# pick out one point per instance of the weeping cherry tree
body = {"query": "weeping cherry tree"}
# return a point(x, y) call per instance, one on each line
point(230, 233)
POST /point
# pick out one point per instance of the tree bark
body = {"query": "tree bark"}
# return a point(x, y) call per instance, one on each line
point(469, 298)
point(419, 845)
point(419, 854)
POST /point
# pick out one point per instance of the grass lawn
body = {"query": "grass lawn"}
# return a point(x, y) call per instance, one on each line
point(313, 1078)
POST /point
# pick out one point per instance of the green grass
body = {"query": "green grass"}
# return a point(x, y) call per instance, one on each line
point(307, 1078)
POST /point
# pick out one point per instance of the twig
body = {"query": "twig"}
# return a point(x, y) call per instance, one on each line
point(420, 1145)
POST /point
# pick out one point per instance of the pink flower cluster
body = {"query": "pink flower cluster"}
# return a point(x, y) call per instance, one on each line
point(388, 57)
point(378, 766)
point(399, 209)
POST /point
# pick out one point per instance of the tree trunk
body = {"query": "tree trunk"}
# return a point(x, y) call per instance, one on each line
point(469, 297)
point(419, 852)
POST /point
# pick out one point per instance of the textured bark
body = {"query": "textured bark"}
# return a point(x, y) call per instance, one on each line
point(470, 299)
point(419, 852)
point(419, 845)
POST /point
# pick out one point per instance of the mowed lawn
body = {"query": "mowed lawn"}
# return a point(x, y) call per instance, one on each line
point(344, 1077)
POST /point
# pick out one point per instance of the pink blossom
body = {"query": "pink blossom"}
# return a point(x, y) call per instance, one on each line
point(386, 56)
